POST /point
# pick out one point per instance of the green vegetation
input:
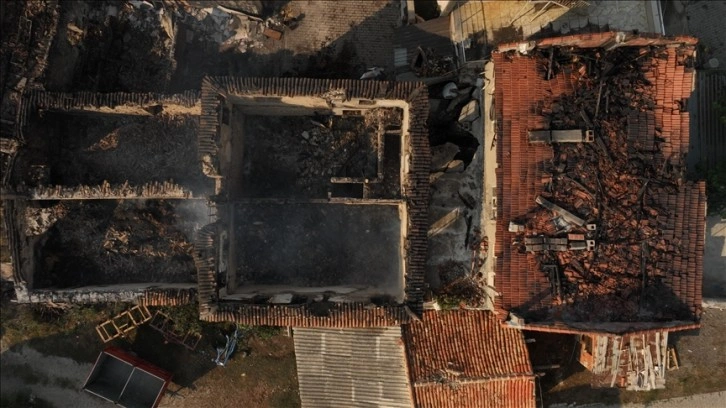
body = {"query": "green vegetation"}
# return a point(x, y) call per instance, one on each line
point(186, 318)
point(25, 322)
point(450, 302)
point(716, 189)
point(262, 332)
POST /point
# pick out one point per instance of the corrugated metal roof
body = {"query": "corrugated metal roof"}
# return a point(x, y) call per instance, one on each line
point(352, 367)
point(434, 34)
point(710, 142)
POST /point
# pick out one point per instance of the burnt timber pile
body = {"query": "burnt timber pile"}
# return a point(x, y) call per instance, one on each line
point(611, 223)
point(622, 182)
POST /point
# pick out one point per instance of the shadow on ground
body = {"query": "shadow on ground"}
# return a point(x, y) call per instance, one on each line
point(564, 379)
point(714, 259)
point(347, 51)
point(46, 357)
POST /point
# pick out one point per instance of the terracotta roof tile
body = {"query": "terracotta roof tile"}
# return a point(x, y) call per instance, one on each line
point(522, 94)
point(466, 358)
point(168, 297)
point(517, 392)
point(339, 315)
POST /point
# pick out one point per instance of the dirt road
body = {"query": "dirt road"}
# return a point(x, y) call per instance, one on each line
point(711, 400)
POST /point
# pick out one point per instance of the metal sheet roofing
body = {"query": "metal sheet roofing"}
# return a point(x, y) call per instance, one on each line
point(352, 367)
point(710, 142)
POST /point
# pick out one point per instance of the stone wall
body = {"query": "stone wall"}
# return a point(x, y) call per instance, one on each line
point(153, 190)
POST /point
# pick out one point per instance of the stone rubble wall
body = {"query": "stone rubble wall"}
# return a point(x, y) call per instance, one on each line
point(153, 190)
point(142, 294)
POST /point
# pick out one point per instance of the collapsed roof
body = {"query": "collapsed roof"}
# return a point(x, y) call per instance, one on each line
point(103, 197)
point(322, 195)
point(597, 227)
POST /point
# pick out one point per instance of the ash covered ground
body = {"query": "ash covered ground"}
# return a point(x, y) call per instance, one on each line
point(296, 156)
point(108, 242)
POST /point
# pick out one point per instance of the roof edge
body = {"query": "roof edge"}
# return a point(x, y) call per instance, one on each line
point(597, 40)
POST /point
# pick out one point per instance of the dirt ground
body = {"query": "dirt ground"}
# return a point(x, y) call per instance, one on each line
point(305, 244)
point(701, 354)
point(47, 356)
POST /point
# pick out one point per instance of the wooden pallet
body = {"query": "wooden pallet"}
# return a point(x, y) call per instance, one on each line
point(123, 323)
point(165, 325)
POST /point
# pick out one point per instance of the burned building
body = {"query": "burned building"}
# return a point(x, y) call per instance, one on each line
point(289, 197)
point(599, 232)
point(321, 202)
point(105, 195)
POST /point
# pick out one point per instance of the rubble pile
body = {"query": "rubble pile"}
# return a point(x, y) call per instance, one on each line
point(127, 46)
point(458, 286)
point(426, 63)
point(105, 242)
point(337, 149)
point(28, 30)
point(232, 30)
point(130, 149)
point(321, 147)
point(603, 233)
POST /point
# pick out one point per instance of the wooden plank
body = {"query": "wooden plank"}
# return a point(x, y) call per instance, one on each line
point(615, 360)
point(634, 356)
point(664, 347)
point(105, 337)
point(658, 353)
point(601, 354)
point(650, 369)
point(673, 358)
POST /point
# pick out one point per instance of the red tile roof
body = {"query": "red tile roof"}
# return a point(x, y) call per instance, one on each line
point(594, 40)
point(658, 133)
point(466, 358)
point(339, 315)
point(168, 297)
point(517, 392)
